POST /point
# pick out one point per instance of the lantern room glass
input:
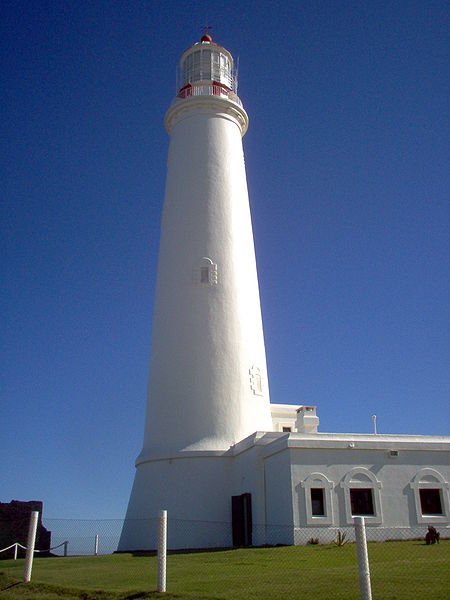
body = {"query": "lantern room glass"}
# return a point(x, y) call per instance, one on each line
point(207, 64)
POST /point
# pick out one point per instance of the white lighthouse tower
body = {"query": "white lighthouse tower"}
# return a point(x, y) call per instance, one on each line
point(208, 384)
point(229, 467)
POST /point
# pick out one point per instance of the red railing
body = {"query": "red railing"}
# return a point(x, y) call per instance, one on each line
point(213, 89)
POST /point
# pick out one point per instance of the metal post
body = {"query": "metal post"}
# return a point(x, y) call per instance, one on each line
point(363, 559)
point(162, 550)
point(65, 548)
point(96, 545)
point(15, 550)
point(30, 546)
point(374, 421)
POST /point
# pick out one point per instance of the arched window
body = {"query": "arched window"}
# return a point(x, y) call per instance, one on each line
point(206, 272)
point(362, 495)
point(431, 496)
point(318, 499)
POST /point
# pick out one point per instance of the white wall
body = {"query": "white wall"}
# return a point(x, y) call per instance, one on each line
point(196, 493)
point(197, 489)
point(206, 339)
point(279, 500)
point(393, 479)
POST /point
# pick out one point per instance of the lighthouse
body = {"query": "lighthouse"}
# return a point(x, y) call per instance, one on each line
point(208, 386)
point(230, 467)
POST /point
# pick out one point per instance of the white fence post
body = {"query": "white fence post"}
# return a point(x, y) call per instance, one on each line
point(96, 545)
point(363, 559)
point(65, 547)
point(162, 550)
point(15, 550)
point(30, 546)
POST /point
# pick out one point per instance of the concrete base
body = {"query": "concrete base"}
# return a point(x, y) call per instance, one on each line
point(195, 492)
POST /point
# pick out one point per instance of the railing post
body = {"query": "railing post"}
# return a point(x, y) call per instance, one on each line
point(96, 545)
point(15, 550)
point(363, 559)
point(30, 546)
point(65, 547)
point(162, 550)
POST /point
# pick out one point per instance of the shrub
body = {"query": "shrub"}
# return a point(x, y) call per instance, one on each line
point(340, 538)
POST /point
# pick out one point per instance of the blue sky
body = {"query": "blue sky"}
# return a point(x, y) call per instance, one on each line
point(347, 161)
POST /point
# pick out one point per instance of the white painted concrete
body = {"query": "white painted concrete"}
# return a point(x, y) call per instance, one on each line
point(207, 338)
point(209, 425)
point(208, 385)
point(283, 417)
point(195, 492)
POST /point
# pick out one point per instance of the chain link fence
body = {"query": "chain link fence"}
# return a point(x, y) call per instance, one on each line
point(321, 562)
point(89, 537)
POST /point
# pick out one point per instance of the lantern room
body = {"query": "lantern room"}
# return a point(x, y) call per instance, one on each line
point(206, 64)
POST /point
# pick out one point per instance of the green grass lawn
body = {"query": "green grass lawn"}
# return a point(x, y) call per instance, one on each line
point(399, 570)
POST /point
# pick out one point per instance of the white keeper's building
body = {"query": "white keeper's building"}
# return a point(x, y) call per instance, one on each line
point(230, 467)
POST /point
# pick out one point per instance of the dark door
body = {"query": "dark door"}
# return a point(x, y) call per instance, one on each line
point(241, 510)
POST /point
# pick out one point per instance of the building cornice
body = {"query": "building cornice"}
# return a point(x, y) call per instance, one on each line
point(354, 442)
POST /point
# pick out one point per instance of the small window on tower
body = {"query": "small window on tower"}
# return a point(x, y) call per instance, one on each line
point(204, 275)
point(287, 429)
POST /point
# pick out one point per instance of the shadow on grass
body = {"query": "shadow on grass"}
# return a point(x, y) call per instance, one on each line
point(11, 585)
point(138, 553)
point(138, 595)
